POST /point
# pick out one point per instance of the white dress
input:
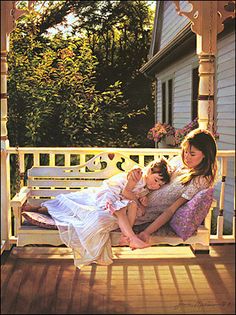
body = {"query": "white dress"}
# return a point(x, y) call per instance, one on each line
point(83, 222)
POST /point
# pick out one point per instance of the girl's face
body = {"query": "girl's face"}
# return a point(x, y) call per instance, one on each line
point(154, 181)
point(192, 157)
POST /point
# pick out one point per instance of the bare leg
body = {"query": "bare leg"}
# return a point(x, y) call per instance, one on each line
point(131, 214)
point(126, 229)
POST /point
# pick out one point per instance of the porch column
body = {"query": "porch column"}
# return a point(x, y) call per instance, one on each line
point(6, 19)
point(5, 172)
point(9, 13)
point(207, 19)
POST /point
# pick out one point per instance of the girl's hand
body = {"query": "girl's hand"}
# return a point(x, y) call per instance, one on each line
point(144, 201)
point(135, 175)
point(144, 236)
point(140, 211)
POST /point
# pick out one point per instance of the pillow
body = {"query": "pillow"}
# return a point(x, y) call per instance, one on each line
point(42, 220)
point(189, 216)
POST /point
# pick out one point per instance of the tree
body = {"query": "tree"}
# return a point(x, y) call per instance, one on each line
point(119, 34)
point(69, 90)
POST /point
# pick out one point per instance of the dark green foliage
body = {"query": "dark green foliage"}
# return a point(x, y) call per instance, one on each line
point(81, 90)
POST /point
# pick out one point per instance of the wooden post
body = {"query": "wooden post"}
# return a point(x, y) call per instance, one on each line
point(9, 13)
point(5, 174)
point(207, 19)
point(220, 218)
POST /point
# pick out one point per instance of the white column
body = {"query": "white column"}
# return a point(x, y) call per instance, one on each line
point(206, 91)
point(5, 196)
point(5, 171)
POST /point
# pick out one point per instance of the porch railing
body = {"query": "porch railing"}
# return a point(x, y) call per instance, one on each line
point(28, 156)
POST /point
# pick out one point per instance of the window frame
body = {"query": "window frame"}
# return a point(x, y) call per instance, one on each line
point(167, 97)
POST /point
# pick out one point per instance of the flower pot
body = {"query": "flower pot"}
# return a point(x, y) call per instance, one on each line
point(168, 141)
point(162, 144)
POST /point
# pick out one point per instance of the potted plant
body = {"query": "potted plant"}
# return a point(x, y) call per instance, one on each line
point(162, 133)
point(181, 133)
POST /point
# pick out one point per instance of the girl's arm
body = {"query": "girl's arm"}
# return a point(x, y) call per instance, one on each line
point(127, 191)
point(162, 219)
point(133, 177)
point(128, 194)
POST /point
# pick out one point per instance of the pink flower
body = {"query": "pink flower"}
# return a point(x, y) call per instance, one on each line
point(160, 131)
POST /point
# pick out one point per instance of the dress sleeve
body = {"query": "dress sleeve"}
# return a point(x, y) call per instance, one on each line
point(196, 184)
point(117, 182)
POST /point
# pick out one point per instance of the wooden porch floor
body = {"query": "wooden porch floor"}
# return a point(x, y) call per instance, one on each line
point(169, 280)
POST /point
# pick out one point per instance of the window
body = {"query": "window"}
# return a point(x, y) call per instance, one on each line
point(195, 83)
point(170, 93)
point(167, 101)
point(163, 88)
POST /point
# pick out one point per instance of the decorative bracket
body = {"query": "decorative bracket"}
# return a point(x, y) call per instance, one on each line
point(11, 13)
point(207, 19)
point(199, 15)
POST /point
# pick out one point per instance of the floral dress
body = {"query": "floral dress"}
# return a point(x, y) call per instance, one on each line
point(159, 200)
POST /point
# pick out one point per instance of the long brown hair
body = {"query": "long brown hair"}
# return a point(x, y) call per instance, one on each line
point(204, 141)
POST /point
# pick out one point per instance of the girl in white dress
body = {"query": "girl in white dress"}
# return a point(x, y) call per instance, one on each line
point(85, 218)
point(126, 202)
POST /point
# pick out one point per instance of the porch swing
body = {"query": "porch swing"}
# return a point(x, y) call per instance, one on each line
point(46, 182)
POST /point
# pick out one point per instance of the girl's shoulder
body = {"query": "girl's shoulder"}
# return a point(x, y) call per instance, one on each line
point(120, 178)
point(201, 181)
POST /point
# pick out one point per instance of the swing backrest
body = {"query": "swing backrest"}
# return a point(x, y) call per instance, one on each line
point(46, 182)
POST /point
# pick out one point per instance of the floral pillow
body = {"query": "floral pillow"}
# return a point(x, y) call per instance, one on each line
point(189, 217)
point(42, 220)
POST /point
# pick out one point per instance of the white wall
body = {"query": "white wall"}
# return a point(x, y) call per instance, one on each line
point(225, 90)
point(172, 22)
point(181, 72)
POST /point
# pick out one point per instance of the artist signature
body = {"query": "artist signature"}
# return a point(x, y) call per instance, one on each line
point(200, 304)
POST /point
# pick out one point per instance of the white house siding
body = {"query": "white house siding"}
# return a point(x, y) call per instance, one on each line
point(158, 99)
point(172, 22)
point(225, 108)
point(225, 88)
point(181, 73)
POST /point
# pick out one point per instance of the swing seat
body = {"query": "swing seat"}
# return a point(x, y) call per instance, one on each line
point(46, 182)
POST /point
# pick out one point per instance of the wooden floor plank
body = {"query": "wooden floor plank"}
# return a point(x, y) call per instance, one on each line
point(172, 281)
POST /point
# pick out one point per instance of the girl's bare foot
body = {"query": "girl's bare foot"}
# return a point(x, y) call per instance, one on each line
point(43, 210)
point(144, 236)
point(124, 240)
point(39, 209)
point(136, 242)
point(30, 208)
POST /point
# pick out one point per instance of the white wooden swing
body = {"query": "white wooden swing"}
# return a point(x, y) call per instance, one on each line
point(45, 182)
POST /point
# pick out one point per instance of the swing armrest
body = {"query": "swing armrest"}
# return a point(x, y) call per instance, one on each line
point(19, 199)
